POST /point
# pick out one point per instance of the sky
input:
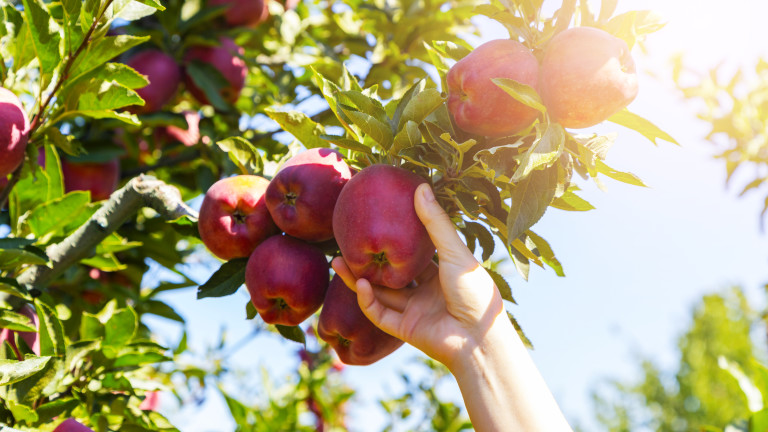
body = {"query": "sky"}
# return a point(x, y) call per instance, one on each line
point(635, 265)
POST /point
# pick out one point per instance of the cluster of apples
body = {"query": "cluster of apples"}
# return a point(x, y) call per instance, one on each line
point(585, 76)
point(281, 226)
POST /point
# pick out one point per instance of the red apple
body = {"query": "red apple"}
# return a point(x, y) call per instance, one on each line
point(234, 218)
point(287, 279)
point(290, 4)
point(14, 128)
point(586, 76)
point(227, 59)
point(151, 401)
point(100, 178)
point(344, 326)
point(481, 107)
point(189, 136)
point(379, 234)
point(244, 12)
point(32, 339)
point(72, 425)
point(164, 76)
point(302, 195)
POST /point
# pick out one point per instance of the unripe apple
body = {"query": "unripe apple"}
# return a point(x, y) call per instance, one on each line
point(287, 279)
point(375, 223)
point(302, 195)
point(481, 107)
point(164, 76)
point(344, 326)
point(32, 339)
point(586, 76)
point(227, 59)
point(234, 218)
point(100, 178)
point(72, 425)
point(14, 128)
point(244, 12)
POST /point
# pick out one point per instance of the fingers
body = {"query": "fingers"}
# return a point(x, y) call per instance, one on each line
point(387, 319)
point(341, 269)
point(441, 230)
point(396, 299)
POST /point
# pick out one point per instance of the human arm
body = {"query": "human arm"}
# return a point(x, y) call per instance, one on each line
point(455, 315)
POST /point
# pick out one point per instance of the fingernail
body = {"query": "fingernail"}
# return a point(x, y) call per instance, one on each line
point(426, 192)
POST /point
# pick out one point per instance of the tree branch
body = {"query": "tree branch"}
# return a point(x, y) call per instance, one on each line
point(142, 191)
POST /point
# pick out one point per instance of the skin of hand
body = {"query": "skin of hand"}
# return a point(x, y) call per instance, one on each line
point(454, 314)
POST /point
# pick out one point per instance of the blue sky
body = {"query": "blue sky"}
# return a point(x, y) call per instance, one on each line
point(634, 266)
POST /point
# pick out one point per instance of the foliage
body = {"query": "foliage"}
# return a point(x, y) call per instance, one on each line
point(362, 76)
point(700, 393)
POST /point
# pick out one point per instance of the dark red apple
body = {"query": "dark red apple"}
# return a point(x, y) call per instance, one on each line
point(72, 425)
point(586, 76)
point(100, 178)
point(32, 339)
point(234, 218)
point(227, 59)
point(14, 128)
point(481, 107)
point(344, 326)
point(379, 234)
point(246, 13)
point(164, 76)
point(302, 195)
point(287, 279)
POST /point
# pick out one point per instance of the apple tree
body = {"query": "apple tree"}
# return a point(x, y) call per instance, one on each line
point(115, 115)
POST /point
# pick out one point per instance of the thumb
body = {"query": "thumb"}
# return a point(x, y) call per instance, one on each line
point(441, 230)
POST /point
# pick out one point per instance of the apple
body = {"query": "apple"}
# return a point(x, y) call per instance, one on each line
point(586, 76)
point(189, 136)
point(32, 339)
point(376, 227)
point(164, 76)
point(72, 425)
point(246, 13)
point(234, 218)
point(151, 401)
point(302, 195)
point(287, 279)
point(100, 178)
point(477, 104)
point(290, 4)
point(227, 59)
point(14, 130)
point(344, 326)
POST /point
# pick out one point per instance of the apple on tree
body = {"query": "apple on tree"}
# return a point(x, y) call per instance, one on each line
point(481, 107)
point(188, 137)
point(344, 326)
point(163, 74)
point(586, 76)
point(227, 59)
point(72, 425)
point(100, 178)
point(246, 13)
point(14, 130)
point(287, 279)
point(302, 195)
point(234, 218)
point(378, 232)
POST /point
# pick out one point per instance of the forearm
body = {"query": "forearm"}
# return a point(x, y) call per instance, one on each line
point(502, 388)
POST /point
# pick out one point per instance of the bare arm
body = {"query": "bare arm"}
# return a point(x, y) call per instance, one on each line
point(456, 316)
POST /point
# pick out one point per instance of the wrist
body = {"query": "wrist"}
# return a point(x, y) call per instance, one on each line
point(497, 343)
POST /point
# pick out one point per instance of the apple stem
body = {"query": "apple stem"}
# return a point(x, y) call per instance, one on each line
point(290, 198)
point(380, 258)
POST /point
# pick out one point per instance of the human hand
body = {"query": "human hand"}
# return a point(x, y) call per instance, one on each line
point(449, 309)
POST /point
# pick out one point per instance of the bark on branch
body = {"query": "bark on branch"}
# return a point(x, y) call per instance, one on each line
point(139, 192)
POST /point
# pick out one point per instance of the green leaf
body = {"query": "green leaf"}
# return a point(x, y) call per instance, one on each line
point(294, 333)
point(131, 10)
point(523, 93)
point(51, 217)
point(46, 35)
point(569, 201)
point(347, 143)
point(22, 413)
point(502, 285)
point(328, 89)
point(120, 328)
point(420, 106)
point(210, 80)
point(100, 51)
point(542, 153)
point(51, 330)
point(243, 154)
point(523, 337)
point(91, 327)
point(12, 371)
point(365, 104)
point(17, 252)
point(408, 136)
point(377, 130)
point(11, 287)
point(625, 177)
point(224, 281)
point(159, 308)
point(642, 126)
point(544, 251)
point(16, 321)
point(530, 199)
point(49, 410)
point(298, 124)
point(484, 237)
point(250, 311)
